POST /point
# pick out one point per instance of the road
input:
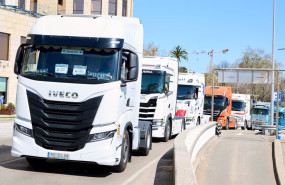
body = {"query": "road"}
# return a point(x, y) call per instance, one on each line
point(238, 157)
point(153, 169)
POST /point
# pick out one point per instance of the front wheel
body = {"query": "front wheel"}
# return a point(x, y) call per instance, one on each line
point(145, 151)
point(167, 132)
point(244, 125)
point(198, 121)
point(183, 126)
point(124, 153)
point(227, 124)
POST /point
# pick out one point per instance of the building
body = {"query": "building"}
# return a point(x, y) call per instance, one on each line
point(18, 16)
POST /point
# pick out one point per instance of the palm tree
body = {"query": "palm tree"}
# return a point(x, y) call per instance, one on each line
point(179, 53)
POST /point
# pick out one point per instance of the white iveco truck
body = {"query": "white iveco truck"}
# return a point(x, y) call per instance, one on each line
point(158, 96)
point(78, 93)
point(190, 97)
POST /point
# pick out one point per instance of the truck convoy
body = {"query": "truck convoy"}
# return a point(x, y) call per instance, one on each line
point(190, 97)
point(260, 115)
point(241, 110)
point(158, 96)
point(222, 105)
point(79, 80)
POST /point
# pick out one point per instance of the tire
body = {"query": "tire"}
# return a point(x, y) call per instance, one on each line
point(244, 125)
point(198, 122)
point(183, 126)
point(35, 161)
point(145, 151)
point(167, 132)
point(125, 152)
point(227, 124)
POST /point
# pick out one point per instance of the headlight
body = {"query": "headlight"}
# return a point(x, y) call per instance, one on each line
point(23, 130)
point(220, 121)
point(101, 136)
point(157, 122)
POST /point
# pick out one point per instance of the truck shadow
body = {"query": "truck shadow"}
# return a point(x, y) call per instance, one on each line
point(164, 170)
point(54, 166)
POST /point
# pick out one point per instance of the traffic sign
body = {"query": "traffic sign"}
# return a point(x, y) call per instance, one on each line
point(275, 97)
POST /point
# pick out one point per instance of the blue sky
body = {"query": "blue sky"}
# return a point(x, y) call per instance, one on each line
point(212, 24)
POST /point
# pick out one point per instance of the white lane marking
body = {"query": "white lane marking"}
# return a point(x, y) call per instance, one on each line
point(11, 161)
point(134, 176)
point(239, 134)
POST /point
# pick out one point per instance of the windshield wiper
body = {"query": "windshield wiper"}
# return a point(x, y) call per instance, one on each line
point(83, 77)
point(42, 73)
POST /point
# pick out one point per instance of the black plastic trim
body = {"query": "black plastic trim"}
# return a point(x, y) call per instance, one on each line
point(102, 43)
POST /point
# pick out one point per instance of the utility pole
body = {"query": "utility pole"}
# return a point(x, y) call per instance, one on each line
point(273, 65)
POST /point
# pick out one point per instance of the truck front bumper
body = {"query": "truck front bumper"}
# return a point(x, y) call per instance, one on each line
point(105, 152)
point(158, 131)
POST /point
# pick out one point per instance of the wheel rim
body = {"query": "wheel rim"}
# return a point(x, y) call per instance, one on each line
point(125, 148)
point(148, 141)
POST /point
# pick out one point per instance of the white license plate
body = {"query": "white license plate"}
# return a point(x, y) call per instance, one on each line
point(52, 155)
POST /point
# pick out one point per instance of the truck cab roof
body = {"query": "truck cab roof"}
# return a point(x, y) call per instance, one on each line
point(92, 26)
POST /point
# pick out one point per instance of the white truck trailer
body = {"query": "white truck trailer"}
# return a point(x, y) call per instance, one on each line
point(190, 98)
point(241, 110)
point(78, 93)
point(158, 96)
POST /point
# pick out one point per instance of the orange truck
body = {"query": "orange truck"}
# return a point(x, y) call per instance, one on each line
point(222, 105)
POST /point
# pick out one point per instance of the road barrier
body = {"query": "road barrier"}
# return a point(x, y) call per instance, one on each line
point(189, 146)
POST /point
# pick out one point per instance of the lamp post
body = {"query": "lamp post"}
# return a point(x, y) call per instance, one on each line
point(273, 65)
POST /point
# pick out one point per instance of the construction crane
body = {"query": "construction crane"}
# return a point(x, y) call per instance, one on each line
point(211, 53)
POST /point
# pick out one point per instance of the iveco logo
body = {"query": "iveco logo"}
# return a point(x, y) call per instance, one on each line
point(63, 94)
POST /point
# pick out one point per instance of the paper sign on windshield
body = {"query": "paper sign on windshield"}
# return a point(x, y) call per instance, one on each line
point(61, 68)
point(71, 52)
point(79, 70)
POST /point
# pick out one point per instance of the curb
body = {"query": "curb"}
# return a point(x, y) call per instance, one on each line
point(278, 163)
point(6, 120)
point(189, 146)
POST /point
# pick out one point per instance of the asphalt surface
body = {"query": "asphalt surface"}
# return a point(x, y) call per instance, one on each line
point(238, 157)
point(153, 169)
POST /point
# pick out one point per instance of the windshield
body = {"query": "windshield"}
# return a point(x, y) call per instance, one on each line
point(70, 62)
point(218, 101)
point(152, 82)
point(280, 115)
point(238, 106)
point(186, 92)
point(260, 111)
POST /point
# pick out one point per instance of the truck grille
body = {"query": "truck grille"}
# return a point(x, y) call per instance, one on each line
point(216, 113)
point(147, 110)
point(63, 126)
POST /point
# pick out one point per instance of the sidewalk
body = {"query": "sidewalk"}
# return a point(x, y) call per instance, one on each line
point(7, 118)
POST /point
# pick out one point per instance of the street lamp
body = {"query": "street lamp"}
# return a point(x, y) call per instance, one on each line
point(273, 65)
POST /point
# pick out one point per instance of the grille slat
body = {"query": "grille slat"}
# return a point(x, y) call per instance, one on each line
point(63, 126)
point(147, 110)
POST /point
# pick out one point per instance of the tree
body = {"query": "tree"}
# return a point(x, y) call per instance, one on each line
point(178, 52)
point(150, 50)
point(183, 70)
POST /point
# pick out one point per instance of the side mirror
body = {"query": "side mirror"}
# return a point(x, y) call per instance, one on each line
point(228, 101)
point(19, 60)
point(133, 66)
